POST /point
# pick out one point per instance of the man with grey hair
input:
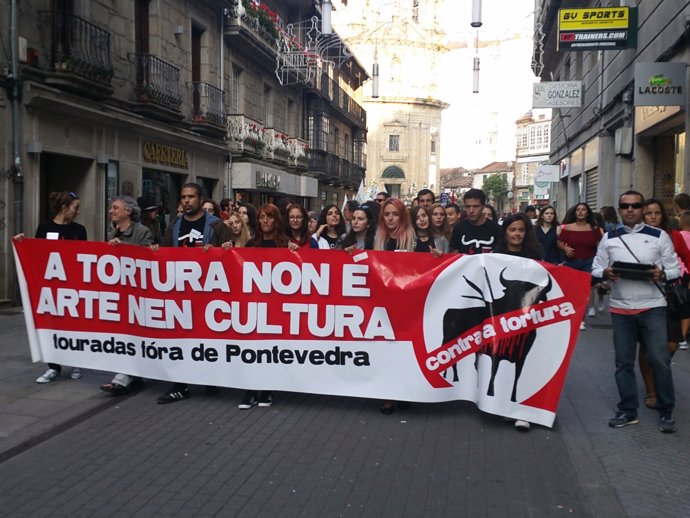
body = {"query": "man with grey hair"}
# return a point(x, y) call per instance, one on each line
point(124, 215)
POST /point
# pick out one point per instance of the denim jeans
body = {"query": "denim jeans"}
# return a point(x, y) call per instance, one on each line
point(650, 326)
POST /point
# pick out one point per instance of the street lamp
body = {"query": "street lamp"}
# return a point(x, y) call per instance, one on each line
point(476, 13)
point(326, 7)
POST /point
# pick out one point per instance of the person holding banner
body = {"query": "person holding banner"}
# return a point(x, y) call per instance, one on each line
point(124, 216)
point(424, 240)
point(297, 227)
point(394, 232)
point(194, 228)
point(638, 306)
point(519, 240)
point(64, 208)
point(239, 232)
point(331, 231)
point(247, 212)
point(361, 236)
point(476, 233)
point(269, 234)
point(440, 228)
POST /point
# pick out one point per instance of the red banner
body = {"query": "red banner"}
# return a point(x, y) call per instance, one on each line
point(403, 326)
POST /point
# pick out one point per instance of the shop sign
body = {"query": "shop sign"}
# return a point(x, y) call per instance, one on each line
point(601, 28)
point(547, 173)
point(165, 155)
point(266, 180)
point(557, 94)
point(660, 84)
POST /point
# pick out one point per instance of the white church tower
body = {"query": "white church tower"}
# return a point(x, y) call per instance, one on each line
point(402, 41)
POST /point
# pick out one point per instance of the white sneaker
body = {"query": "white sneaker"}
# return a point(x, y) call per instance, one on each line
point(601, 307)
point(48, 376)
point(76, 373)
point(683, 346)
point(592, 312)
point(582, 326)
point(522, 425)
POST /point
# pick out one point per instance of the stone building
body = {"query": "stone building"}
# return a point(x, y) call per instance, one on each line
point(404, 41)
point(139, 97)
point(609, 145)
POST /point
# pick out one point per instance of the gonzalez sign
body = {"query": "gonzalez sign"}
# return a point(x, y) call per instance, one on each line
point(557, 94)
point(600, 28)
point(493, 329)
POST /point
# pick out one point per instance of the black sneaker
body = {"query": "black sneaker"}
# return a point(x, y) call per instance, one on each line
point(248, 401)
point(265, 399)
point(622, 419)
point(173, 395)
point(667, 424)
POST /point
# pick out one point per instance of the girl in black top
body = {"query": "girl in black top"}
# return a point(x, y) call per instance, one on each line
point(64, 207)
point(420, 217)
point(547, 230)
point(361, 236)
point(519, 238)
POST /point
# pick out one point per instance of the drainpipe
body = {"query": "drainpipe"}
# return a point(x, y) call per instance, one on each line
point(15, 94)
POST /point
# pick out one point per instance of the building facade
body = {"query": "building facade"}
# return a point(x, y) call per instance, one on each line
point(610, 145)
point(403, 40)
point(532, 149)
point(140, 97)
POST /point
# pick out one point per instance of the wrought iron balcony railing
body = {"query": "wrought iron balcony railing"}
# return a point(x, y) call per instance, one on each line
point(158, 82)
point(208, 103)
point(79, 47)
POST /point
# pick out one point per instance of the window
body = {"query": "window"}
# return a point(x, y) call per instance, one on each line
point(235, 99)
point(524, 174)
point(433, 147)
point(393, 142)
point(415, 11)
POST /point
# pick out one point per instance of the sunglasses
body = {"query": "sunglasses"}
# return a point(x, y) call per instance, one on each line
point(74, 196)
point(625, 206)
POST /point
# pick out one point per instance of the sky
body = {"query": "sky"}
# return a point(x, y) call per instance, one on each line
point(480, 128)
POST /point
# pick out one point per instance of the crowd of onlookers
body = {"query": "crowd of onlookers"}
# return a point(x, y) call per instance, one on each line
point(384, 223)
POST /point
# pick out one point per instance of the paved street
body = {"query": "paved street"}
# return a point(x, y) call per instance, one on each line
point(68, 450)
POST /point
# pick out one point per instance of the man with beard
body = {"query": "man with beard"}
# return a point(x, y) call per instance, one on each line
point(193, 228)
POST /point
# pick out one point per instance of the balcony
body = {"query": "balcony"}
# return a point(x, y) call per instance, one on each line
point(341, 100)
point(299, 149)
point(277, 146)
point(157, 92)
point(79, 55)
point(253, 29)
point(208, 110)
point(246, 135)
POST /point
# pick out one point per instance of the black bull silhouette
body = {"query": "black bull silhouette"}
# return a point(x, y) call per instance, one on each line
point(517, 294)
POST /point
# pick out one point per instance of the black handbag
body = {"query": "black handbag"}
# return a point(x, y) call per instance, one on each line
point(678, 298)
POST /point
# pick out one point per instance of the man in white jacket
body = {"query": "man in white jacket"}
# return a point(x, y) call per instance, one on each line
point(638, 307)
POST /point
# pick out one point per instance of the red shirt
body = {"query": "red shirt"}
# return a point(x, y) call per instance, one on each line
point(583, 242)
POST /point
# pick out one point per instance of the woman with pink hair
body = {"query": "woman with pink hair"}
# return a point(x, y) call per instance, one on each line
point(394, 230)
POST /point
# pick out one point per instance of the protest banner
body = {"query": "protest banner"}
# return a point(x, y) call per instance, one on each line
point(400, 326)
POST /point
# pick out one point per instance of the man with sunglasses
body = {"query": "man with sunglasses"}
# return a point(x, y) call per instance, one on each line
point(638, 306)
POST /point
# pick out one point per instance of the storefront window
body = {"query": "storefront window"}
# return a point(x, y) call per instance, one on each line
point(164, 188)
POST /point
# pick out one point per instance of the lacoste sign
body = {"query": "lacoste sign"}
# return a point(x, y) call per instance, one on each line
point(660, 84)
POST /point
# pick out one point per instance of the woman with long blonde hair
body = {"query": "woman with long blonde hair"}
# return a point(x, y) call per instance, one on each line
point(394, 230)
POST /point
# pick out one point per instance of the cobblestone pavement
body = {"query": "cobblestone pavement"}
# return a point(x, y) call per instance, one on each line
point(68, 450)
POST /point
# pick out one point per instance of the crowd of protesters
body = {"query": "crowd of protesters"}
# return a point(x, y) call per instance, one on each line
point(385, 223)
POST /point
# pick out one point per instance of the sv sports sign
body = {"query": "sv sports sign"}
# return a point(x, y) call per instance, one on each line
point(493, 329)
